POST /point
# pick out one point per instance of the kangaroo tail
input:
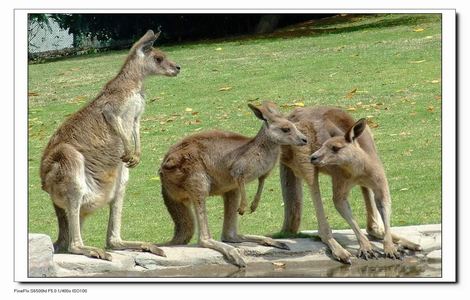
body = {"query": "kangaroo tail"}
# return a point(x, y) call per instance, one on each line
point(182, 217)
point(63, 238)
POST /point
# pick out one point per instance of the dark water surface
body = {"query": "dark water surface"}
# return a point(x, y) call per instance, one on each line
point(377, 268)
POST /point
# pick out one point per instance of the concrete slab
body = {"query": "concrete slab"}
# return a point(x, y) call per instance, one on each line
point(307, 257)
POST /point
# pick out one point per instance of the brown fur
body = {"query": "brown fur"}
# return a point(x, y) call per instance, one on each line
point(344, 150)
point(84, 165)
point(220, 163)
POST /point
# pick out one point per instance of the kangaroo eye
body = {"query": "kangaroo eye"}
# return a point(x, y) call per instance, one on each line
point(335, 149)
point(159, 59)
point(285, 129)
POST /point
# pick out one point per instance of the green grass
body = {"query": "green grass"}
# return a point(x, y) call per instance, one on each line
point(394, 62)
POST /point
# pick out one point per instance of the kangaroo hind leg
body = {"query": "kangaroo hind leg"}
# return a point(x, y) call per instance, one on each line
point(231, 253)
point(67, 193)
point(114, 240)
point(230, 228)
point(375, 226)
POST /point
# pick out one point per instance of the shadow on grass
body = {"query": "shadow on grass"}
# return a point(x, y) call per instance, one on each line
point(345, 24)
point(332, 25)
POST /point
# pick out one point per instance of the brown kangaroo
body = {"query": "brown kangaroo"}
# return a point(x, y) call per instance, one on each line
point(220, 163)
point(345, 150)
point(85, 164)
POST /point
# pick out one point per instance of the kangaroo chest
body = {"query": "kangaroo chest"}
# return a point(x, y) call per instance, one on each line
point(262, 164)
point(254, 165)
point(249, 167)
point(132, 111)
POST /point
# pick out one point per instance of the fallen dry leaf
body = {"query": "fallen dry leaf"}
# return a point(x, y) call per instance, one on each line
point(225, 88)
point(351, 93)
point(408, 152)
point(32, 94)
point(430, 108)
point(417, 61)
point(78, 99)
point(194, 122)
point(418, 30)
point(351, 109)
point(371, 122)
point(188, 109)
point(404, 189)
point(223, 116)
point(300, 104)
point(218, 49)
point(279, 265)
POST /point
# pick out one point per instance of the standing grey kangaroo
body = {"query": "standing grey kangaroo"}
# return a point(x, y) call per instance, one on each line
point(345, 150)
point(85, 164)
point(220, 163)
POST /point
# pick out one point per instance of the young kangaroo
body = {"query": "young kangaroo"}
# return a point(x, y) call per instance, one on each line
point(344, 150)
point(220, 163)
point(85, 165)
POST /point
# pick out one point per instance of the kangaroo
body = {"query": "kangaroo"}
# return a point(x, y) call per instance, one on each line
point(345, 150)
point(85, 164)
point(220, 163)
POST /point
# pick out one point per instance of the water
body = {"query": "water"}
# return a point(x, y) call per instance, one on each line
point(410, 267)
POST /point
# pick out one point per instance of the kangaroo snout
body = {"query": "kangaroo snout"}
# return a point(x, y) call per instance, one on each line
point(303, 141)
point(314, 159)
point(176, 70)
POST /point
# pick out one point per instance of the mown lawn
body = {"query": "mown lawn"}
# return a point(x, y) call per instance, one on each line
point(383, 67)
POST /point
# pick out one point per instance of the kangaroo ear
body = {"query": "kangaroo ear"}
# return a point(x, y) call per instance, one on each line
point(257, 111)
point(271, 107)
point(145, 43)
point(356, 130)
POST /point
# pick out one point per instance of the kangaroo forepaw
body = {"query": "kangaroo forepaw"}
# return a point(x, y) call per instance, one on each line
point(241, 211)
point(253, 206)
point(131, 159)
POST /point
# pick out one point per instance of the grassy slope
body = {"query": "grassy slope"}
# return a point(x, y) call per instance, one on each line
point(393, 64)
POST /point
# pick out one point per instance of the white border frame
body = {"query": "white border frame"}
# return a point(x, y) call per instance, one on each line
point(448, 138)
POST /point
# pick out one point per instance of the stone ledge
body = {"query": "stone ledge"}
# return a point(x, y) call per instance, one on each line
point(307, 258)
